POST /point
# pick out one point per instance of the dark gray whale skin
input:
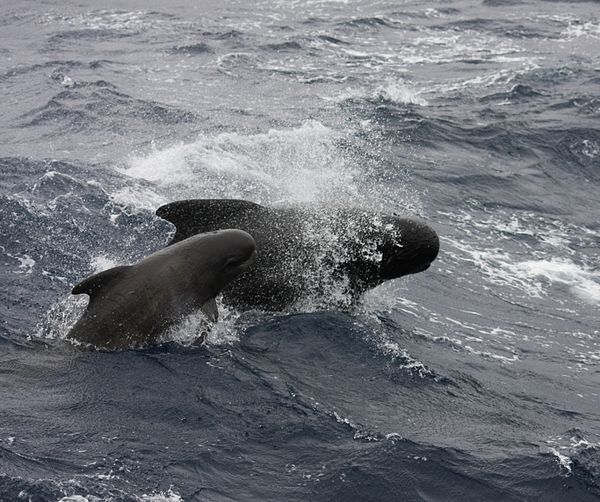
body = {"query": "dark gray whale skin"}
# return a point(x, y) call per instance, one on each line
point(131, 306)
point(300, 250)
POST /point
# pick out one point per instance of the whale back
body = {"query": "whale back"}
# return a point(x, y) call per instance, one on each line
point(197, 216)
point(96, 283)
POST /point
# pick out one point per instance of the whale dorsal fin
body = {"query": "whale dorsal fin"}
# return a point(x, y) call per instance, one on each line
point(95, 283)
point(196, 216)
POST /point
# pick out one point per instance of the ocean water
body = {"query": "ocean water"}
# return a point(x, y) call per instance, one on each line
point(478, 379)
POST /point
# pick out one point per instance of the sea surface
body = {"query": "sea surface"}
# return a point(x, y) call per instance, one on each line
point(477, 380)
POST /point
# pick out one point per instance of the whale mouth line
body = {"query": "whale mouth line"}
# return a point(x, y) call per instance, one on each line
point(400, 263)
point(390, 271)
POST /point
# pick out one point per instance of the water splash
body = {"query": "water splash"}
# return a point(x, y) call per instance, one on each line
point(305, 164)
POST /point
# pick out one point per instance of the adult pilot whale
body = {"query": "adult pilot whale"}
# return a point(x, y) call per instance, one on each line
point(307, 254)
point(131, 306)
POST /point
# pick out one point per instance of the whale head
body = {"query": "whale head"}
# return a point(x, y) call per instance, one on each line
point(238, 252)
point(390, 247)
point(414, 251)
point(214, 259)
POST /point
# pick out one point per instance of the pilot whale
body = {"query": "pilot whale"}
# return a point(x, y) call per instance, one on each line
point(303, 253)
point(131, 306)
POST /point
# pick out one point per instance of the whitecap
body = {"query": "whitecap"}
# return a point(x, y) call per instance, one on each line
point(401, 92)
point(583, 282)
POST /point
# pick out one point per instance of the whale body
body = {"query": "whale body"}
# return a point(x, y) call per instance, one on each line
point(132, 306)
point(306, 253)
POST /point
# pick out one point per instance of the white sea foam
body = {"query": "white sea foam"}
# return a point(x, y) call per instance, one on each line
point(168, 496)
point(446, 47)
point(535, 277)
point(578, 29)
point(567, 447)
point(464, 343)
point(61, 317)
point(138, 198)
point(498, 77)
point(581, 281)
point(491, 355)
point(564, 460)
point(360, 433)
point(409, 363)
point(396, 91)
point(196, 329)
point(102, 262)
point(26, 263)
point(105, 20)
point(590, 149)
point(524, 264)
point(401, 92)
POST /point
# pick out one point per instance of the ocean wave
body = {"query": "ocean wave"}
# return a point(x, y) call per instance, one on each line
point(231, 34)
point(20, 70)
point(504, 28)
point(332, 40)
point(393, 92)
point(427, 13)
point(94, 106)
point(549, 150)
point(192, 49)
point(577, 456)
point(232, 62)
point(92, 34)
point(585, 105)
point(439, 473)
point(290, 45)
point(367, 22)
point(518, 92)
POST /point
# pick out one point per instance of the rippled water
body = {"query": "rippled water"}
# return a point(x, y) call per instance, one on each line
point(475, 380)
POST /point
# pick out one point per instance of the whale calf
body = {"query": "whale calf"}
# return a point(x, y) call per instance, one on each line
point(131, 306)
point(305, 253)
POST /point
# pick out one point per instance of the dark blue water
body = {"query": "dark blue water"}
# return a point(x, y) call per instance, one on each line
point(475, 380)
